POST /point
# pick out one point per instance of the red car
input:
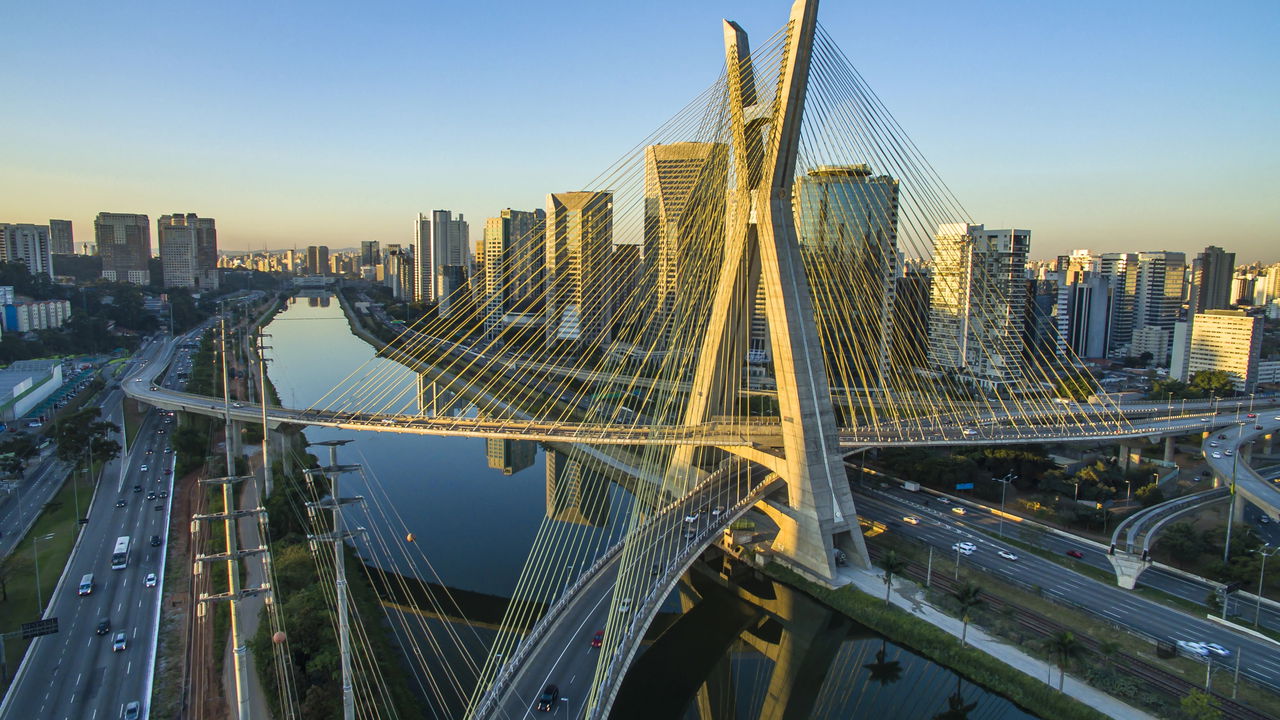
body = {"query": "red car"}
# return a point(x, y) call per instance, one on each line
point(598, 639)
point(1252, 415)
point(1075, 553)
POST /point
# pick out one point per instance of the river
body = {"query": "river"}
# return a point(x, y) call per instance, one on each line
point(473, 511)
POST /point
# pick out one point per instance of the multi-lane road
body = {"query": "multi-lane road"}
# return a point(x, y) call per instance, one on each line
point(941, 528)
point(76, 673)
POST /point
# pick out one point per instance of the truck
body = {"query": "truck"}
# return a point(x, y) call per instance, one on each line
point(911, 486)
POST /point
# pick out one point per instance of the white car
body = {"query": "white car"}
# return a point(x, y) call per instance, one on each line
point(1194, 648)
point(1216, 454)
point(964, 547)
point(1007, 555)
point(145, 467)
point(944, 501)
point(911, 519)
point(624, 606)
point(970, 432)
point(1217, 649)
point(1228, 453)
point(693, 516)
point(150, 580)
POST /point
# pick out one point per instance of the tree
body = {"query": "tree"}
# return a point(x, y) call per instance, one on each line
point(1215, 383)
point(1182, 541)
point(1077, 388)
point(1108, 649)
point(11, 567)
point(1149, 494)
point(1065, 647)
point(84, 430)
point(957, 708)
point(893, 564)
point(1198, 706)
point(969, 597)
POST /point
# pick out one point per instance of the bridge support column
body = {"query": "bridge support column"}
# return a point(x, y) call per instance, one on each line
point(1130, 455)
point(1266, 443)
point(1128, 567)
point(1246, 453)
point(1168, 449)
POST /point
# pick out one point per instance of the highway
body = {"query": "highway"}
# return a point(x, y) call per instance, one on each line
point(27, 497)
point(75, 673)
point(941, 528)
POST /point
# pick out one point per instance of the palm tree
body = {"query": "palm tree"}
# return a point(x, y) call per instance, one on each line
point(957, 708)
point(969, 597)
point(1108, 649)
point(1066, 648)
point(893, 564)
point(884, 673)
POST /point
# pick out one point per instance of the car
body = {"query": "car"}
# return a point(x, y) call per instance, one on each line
point(119, 642)
point(104, 626)
point(693, 516)
point(1075, 554)
point(690, 533)
point(624, 605)
point(160, 431)
point(970, 432)
point(1221, 437)
point(598, 639)
point(964, 547)
point(1228, 453)
point(120, 502)
point(1216, 455)
point(162, 494)
point(717, 511)
point(1257, 427)
point(548, 699)
point(133, 710)
point(144, 467)
point(1252, 415)
point(958, 510)
point(151, 495)
point(1204, 420)
point(1264, 520)
point(1213, 444)
point(168, 471)
point(944, 501)
point(1217, 649)
point(911, 519)
point(168, 450)
point(137, 488)
point(155, 541)
point(1194, 648)
point(150, 451)
point(150, 580)
point(1007, 555)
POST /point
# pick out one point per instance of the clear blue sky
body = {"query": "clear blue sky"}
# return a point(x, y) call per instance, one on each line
point(1111, 125)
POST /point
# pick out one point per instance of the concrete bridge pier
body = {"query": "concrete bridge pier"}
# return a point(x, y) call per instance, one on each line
point(1128, 567)
point(1266, 443)
point(1130, 454)
point(1168, 449)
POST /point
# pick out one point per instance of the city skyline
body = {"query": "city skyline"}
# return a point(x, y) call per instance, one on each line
point(1078, 146)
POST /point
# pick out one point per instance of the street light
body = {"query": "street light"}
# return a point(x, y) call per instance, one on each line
point(36, 556)
point(1257, 611)
point(1004, 487)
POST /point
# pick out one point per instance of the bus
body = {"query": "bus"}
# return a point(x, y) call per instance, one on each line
point(120, 556)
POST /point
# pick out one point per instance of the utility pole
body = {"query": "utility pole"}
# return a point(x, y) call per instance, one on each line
point(266, 433)
point(1231, 511)
point(338, 537)
point(1004, 487)
point(1257, 611)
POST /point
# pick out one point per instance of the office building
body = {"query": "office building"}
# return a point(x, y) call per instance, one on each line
point(442, 241)
point(514, 256)
point(188, 251)
point(1157, 302)
point(579, 240)
point(318, 259)
point(1211, 276)
point(847, 222)
point(61, 240)
point(909, 340)
point(399, 271)
point(1121, 270)
point(369, 255)
point(1084, 310)
point(1227, 340)
point(678, 178)
point(978, 303)
point(510, 456)
point(124, 244)
point(28, 244)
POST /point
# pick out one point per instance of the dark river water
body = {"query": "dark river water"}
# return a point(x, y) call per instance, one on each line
point(735, 647)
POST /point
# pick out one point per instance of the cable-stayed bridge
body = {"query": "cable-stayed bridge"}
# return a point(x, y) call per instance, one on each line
point(731, 305)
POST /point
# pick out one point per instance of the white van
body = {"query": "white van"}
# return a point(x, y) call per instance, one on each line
point(86, 585)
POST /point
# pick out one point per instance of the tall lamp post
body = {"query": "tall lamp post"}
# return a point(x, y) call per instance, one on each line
point(1257, 611)
point(1004, 487)
point(35, 554)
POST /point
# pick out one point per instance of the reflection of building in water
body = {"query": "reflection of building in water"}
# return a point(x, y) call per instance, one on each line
point(510, 456)
point(575, 492)
point(318, 300)
point(437, 398)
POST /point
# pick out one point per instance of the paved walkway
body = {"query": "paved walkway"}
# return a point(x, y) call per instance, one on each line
point(907, 596)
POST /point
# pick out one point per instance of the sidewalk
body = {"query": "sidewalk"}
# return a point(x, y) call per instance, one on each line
point(907, 596)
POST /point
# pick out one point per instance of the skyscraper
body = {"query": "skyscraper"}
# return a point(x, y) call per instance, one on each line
point(579, 238)
point(677, 178)
point(124, 243)
point(1211, 276)
point(369, 256)
point(61, 241)
point(847, 221)
point(398, 271)
point(28, 244)
point(978, 298)
point(1121, 270)
point(1084, 314)
point(510, 456)
point(1157, 303)
point(318, 259)
point(442, 241)
point(188, 251)
point(514, 258)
